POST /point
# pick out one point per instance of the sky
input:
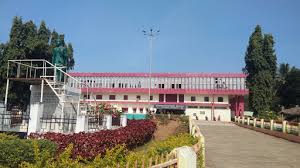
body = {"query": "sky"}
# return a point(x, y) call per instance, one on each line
point(195, 35)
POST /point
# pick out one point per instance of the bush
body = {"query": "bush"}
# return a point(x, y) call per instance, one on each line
point(114, 156)
point(14, 150)
point(166, 146)
point(89, 145)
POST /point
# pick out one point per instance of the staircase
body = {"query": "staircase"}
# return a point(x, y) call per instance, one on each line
point(42, 73)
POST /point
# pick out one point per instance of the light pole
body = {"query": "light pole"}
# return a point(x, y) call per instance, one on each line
point(151, 34)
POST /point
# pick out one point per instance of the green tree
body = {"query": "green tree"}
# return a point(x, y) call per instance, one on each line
point(290, 90)
point(26, 41)
point(71, 61)
point(260, 60)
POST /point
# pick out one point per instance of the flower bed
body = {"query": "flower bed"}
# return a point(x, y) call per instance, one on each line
point(89, 145)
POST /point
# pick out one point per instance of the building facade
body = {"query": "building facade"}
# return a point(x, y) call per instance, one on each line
point(209, 96)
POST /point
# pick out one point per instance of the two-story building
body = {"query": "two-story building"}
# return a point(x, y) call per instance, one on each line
point(210, 96)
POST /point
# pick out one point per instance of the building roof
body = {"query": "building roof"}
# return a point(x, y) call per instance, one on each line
point(123, 74)
point(295, 111)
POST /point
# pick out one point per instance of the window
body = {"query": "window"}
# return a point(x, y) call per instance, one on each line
point(125, 97)
point(193, 98)
point(151, 97)
point(179, 86)
point(220, 99)
point(112, 97)
point(194, 107)
point(99, 97)
point(206, 99)
point(86, 96)
point(134, 110)
point(141, 110)
point(173, 86)
point(161, 86)
point(125, 110)
point(138, 97)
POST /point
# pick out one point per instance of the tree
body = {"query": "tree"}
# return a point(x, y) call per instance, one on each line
point(71, 61)
point(260, 60)
point(290, 90)
point(26, 41)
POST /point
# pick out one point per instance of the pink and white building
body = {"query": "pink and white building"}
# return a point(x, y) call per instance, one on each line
point(210, 96)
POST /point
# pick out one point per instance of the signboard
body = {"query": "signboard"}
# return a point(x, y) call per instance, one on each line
point(170, 106)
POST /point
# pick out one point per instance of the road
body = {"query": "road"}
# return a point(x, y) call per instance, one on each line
point(230, 146)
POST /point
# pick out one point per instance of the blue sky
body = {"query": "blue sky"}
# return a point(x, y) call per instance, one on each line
point(196, 35)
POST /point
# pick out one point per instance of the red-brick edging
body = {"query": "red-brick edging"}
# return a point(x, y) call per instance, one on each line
point(289, 137)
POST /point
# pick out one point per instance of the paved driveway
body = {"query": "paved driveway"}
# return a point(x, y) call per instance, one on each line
point(230, 146)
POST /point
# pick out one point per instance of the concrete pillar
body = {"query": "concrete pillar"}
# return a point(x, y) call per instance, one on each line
point(235, 119)
point(284, 126)
point(248, 121)
point(262, 123)
point(186, 157)
point(164, 97)
point(130, 110)
point(272, 125)
point(298, 129)
point(36, 112)
point(81, 123)
point(243, 120)
point(138, 110)
point(254, 122)
point(238, 119)
point(123, 120)
point(108, 119)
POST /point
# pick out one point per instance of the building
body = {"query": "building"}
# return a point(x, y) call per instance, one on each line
point(209, 96)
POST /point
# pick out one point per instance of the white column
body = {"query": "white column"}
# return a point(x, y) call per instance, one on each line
point(108, 121)
point(130, 110)
point(144, 110)
point(262, 122)
point(36, 112)
point(248, 121)
point(42, 91)
point(164, 97)
point(254, 122)
point(271, 125)
point(81, 124)
point(123, 120)
point(284, 126)
point(186, 157)
point(6, 92)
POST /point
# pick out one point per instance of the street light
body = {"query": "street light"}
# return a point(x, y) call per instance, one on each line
point(151, 34)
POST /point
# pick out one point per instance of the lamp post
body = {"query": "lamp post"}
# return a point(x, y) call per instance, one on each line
point(151, 34)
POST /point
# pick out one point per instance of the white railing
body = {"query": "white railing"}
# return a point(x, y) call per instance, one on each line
point(35, 69)
point(273, 125)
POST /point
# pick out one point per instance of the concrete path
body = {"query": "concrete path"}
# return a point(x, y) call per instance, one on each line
point(230, 146)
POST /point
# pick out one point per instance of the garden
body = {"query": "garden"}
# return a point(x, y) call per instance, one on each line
point(141, 142)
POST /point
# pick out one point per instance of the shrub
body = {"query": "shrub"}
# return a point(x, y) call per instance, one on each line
point(89, 145)
point(14, 150)
point(166, 146)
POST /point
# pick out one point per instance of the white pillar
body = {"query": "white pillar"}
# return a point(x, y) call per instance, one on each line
point(248, 121)
point(123, 120)
point(144, 110)
point(272, 125)
point(243, 120)
point(298, 129)
point(262, 122)
point(6, 92)
point(81, 124)
point(108, 121)
point(138, 110)
point(130, 110)
point(284, 126)
point(254, 122)
point(36, 112)
point(42, 91)
point(187, 157)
